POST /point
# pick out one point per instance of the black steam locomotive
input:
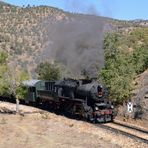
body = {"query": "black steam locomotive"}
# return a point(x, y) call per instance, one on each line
point(82, 98)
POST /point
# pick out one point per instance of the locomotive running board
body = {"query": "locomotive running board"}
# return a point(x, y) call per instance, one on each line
point(70, 99)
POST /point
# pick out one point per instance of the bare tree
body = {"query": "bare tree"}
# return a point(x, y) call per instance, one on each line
point(15, 78)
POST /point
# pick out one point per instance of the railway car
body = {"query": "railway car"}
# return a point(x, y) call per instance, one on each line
point(86, 99)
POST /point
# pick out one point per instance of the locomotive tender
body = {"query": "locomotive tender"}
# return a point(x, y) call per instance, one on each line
point(83, 98)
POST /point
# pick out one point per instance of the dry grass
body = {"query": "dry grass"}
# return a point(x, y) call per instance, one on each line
point(45, 129)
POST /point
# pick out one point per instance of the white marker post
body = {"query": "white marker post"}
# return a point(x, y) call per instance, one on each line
point(130, 107)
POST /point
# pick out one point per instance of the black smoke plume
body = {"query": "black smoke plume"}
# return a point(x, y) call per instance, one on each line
point(77, 44)
point(79, 6)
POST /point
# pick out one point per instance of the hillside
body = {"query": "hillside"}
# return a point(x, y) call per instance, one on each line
point(33, 35)
point(30, 34)
point(125, 71)
point(21, 33)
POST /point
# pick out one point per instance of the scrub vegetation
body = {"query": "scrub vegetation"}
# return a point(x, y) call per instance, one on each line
point(126, 57)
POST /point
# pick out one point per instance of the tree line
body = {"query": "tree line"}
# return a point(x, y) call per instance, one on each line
point(126, 56)
point(11, 78)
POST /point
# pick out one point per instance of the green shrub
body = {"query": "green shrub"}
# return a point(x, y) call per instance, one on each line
point(47, 71)
point(121, 64)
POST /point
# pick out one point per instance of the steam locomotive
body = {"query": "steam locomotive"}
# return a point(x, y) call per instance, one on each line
point(86, 99)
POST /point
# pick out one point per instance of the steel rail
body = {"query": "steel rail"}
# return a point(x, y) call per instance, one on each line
point(125, 133)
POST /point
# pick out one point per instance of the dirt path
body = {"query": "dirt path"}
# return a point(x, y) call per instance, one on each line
point(47, 130)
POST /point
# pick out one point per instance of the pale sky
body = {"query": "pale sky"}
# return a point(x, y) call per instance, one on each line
point(119, 9)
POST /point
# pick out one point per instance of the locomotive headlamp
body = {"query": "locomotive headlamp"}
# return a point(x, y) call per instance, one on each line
point(96, 108)
point(112, 106)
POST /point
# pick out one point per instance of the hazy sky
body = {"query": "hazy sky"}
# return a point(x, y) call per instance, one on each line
point(119, 9)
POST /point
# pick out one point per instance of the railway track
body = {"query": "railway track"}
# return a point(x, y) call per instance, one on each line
point(130, 131)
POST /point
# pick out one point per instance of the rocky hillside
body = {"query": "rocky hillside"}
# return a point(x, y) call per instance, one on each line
point(31, 35)
point(140, 95)
point(21, 32)
point(139, 98)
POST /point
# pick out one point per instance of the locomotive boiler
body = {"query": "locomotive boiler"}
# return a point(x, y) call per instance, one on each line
point(82, 89)
point(91, 90)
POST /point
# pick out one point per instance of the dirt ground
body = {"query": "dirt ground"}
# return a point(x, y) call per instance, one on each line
point(41, 129)
point(138, 123)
